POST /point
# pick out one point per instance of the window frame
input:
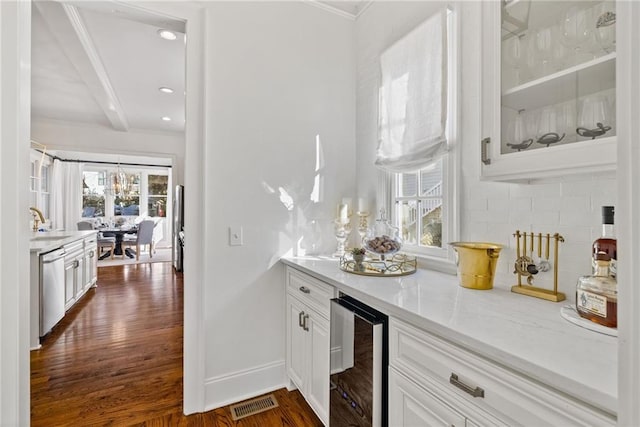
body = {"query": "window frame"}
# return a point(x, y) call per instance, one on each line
point(442, 258)
point(40, 197)
point(142, 195)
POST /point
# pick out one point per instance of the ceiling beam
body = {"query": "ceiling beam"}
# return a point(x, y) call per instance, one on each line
point(68, 27)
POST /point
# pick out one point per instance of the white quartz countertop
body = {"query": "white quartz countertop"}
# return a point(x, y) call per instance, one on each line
point(522, 333)
point(43, 242)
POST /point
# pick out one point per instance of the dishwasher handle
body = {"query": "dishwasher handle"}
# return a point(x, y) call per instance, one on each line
point(52, 256)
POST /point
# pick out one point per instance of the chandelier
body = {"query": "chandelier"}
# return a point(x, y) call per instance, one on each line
point(121, 184)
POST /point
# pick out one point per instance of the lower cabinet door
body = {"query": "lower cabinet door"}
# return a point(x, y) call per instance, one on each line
point(69, 284)
point(296, 343)
point(413, 406)
point(318, 390)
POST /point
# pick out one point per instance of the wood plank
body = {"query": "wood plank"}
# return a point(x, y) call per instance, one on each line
point(116, 359)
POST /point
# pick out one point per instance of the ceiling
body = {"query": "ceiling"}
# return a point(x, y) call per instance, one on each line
point(102, 64)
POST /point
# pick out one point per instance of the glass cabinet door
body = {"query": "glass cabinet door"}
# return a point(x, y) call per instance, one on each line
point(557, 82)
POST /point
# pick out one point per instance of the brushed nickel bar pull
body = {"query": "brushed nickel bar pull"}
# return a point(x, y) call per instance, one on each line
point(300, 316)
point(304, 322)
point(483, 148)
point(475, 392)
point(305, 290)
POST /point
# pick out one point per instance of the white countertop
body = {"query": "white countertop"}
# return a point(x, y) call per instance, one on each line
point(43, 242)
point(522, 333)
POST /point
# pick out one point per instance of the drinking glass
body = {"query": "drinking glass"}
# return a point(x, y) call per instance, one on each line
point(559, 52)
point(594, 119)
point(519, 136)
point(604, 15)
point(549, 131)
point(513, 53)
point(542, 50)
point(577, 32)
point(566, 116)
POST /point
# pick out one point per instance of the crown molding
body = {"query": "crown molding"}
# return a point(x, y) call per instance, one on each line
point(336, 11)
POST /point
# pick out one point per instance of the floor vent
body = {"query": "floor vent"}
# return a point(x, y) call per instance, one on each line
point(253, 406)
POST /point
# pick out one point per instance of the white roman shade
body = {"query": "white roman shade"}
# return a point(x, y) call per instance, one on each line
point(413, 98)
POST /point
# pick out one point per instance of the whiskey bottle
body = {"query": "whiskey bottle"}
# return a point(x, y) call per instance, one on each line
point(597, 295)
point(607, 243)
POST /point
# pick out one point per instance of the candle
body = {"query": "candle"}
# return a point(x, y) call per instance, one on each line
point(363, 206)
point(343, 212)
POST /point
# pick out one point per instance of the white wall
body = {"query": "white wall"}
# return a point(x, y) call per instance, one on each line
point(279, 77)
point(489, 211)
point(93, 139)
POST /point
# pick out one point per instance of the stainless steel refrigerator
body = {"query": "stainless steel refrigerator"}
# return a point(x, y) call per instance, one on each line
point(178, 227)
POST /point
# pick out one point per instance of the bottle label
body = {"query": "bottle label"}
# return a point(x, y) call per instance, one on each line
point(592, 303)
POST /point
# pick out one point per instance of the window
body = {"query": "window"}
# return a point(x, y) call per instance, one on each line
point(418, 206)
point(423, 198)
point(39, 183)
point(157, 195)
point(93, 194)
point(44, 189)
point(128, 202)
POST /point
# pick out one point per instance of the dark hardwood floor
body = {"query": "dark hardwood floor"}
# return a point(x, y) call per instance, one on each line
point(116, 360)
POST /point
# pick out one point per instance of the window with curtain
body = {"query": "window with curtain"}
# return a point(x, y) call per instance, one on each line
point(417, 126)
point(157, 195)
point(93, 194)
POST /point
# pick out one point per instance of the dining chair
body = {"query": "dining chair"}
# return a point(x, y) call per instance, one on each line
point(103, 242)
point(143, 237)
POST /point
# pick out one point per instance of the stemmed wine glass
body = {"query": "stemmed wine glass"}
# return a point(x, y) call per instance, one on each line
point(605, 25)
point(513, 52)
point(541, 51)
point(577, 27)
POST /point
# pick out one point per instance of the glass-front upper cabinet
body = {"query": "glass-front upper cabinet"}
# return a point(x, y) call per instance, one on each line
point(548, 88)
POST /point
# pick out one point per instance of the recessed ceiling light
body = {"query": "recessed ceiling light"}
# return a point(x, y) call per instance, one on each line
point(167, 35)
point(166, 119)
point(165, 89)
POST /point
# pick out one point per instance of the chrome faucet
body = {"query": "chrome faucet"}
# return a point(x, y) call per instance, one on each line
point(36, 213)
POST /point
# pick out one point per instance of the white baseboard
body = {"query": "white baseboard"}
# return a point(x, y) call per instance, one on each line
point(241, 385)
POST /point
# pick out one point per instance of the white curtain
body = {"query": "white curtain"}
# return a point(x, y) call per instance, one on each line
point(413, 98)
point(66, 192)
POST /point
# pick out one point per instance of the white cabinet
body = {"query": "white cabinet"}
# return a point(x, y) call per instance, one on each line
point(81, 268)
point(90, 275)
point(432, 379)
point(307, 336)
point(548, 87)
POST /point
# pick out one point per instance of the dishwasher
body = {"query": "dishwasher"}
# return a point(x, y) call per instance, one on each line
point(358, 364)
point(51, 289)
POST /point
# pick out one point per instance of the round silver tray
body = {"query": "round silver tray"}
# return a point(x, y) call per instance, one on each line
point(397, 265)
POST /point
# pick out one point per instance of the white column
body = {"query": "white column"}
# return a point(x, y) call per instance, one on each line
point(15, 99)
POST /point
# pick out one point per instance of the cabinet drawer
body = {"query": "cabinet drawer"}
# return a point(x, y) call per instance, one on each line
point(413, 406)
point(310, 291)
point(508, 395)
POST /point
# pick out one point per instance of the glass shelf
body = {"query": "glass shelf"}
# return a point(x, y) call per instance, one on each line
point(583, 79)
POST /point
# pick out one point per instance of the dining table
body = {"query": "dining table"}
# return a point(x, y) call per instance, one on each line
point(118, 233)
